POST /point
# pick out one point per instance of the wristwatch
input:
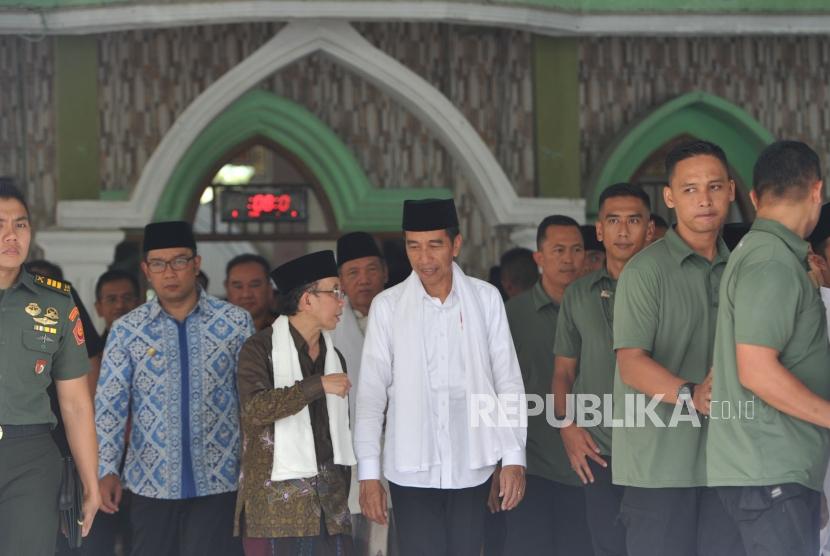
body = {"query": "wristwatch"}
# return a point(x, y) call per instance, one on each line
point(686, 391)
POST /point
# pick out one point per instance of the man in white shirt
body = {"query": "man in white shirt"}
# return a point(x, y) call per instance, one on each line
point(362, 273)
point(438, 349)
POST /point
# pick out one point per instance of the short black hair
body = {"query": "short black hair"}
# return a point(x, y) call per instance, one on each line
point(554, 220)
point(9, 190)
point(786, 169)
point(290, 301)
point(246, 258)
point(691, 149)
point(624, 189)
point(517, 266)
point(818, 247)
point(659, 221)
point(44, 267)
point(115, 275)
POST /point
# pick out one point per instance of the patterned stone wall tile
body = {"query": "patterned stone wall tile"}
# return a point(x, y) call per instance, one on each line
point(27, 123)
point(485, 72)
point(783, 82)
point(148, 78)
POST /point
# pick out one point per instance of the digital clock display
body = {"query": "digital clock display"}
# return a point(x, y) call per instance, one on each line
point(273, 204)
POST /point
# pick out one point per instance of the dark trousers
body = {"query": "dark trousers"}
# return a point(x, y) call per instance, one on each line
point(495, 532)
point(30, 475)
point(550, 520)
point(320, 545)
point(678, 521)
point(602, 505)
point(440, 522)
point(192, 527)
point(780, 520)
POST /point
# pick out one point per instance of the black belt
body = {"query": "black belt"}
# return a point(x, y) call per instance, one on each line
point(22, 431)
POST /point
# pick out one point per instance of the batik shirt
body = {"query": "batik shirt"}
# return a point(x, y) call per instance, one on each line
point(292, 508)
point(177, 382)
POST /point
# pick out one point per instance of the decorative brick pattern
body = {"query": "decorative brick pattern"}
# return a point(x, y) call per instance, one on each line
point(485, 72)
point(27, 123)
point(391, 145)
point(784, 82)
point(148, 78)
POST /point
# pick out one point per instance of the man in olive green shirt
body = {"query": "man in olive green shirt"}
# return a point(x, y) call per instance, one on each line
point(768, 439)
point(42, 340)
point(585, 361)
point(551, 518)
point(664, 329)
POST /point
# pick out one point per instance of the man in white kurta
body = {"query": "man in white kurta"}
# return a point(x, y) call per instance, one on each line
point(439, 366)
point(362, 273)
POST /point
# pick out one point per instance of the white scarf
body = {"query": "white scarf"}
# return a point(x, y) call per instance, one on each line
point(294, 455)
point(413, 415)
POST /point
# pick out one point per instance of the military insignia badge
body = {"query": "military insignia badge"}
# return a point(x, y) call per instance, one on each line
point(51, 313)
point(78, 332)
point(33, 309)
point(46, 329)
point(73, 314)
point(40, 366)
point(44, 320)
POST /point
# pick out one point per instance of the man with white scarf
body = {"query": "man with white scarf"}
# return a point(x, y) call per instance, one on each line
point(362, 273)
point(438, 353)
point(295, 421)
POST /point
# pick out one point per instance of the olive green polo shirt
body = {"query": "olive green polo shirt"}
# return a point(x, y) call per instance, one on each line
point(584, 332)
point(666, 304)
point(768, 300)
point(532, 317)
point(41, 339)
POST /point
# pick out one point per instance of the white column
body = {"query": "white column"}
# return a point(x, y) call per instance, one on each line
point(83, 255)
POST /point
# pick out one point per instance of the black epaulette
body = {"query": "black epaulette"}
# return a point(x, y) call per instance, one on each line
point(52, 284)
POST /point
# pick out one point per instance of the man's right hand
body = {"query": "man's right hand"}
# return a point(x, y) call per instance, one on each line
point(373, 501)
point(702, 397)
point(337, 384)
point(110, 488)
point(580, 446)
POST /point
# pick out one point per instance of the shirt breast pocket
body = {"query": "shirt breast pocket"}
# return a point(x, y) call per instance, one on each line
point(40, 349)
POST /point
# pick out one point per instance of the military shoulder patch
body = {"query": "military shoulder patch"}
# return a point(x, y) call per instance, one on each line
point(51, 284)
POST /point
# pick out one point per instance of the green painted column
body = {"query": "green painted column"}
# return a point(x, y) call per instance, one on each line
point(76, 103)
point(556, 103)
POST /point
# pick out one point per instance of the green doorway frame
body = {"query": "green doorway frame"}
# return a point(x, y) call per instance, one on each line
point(355, 202)
point(699, 114)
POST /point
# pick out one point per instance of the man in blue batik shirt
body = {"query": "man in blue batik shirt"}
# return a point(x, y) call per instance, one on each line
point(169, 368)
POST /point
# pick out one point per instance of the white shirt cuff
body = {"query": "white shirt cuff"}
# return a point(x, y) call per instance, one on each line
point(514, 458)
point(368, 469)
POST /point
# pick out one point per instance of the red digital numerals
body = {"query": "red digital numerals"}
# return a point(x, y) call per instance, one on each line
point(268, 203)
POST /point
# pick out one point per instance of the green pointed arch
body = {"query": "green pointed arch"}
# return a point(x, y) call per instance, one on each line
point(356, 204)
point(698, 114)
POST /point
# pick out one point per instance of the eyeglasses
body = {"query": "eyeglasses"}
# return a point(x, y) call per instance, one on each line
point(158, 266)
point(336, 293)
